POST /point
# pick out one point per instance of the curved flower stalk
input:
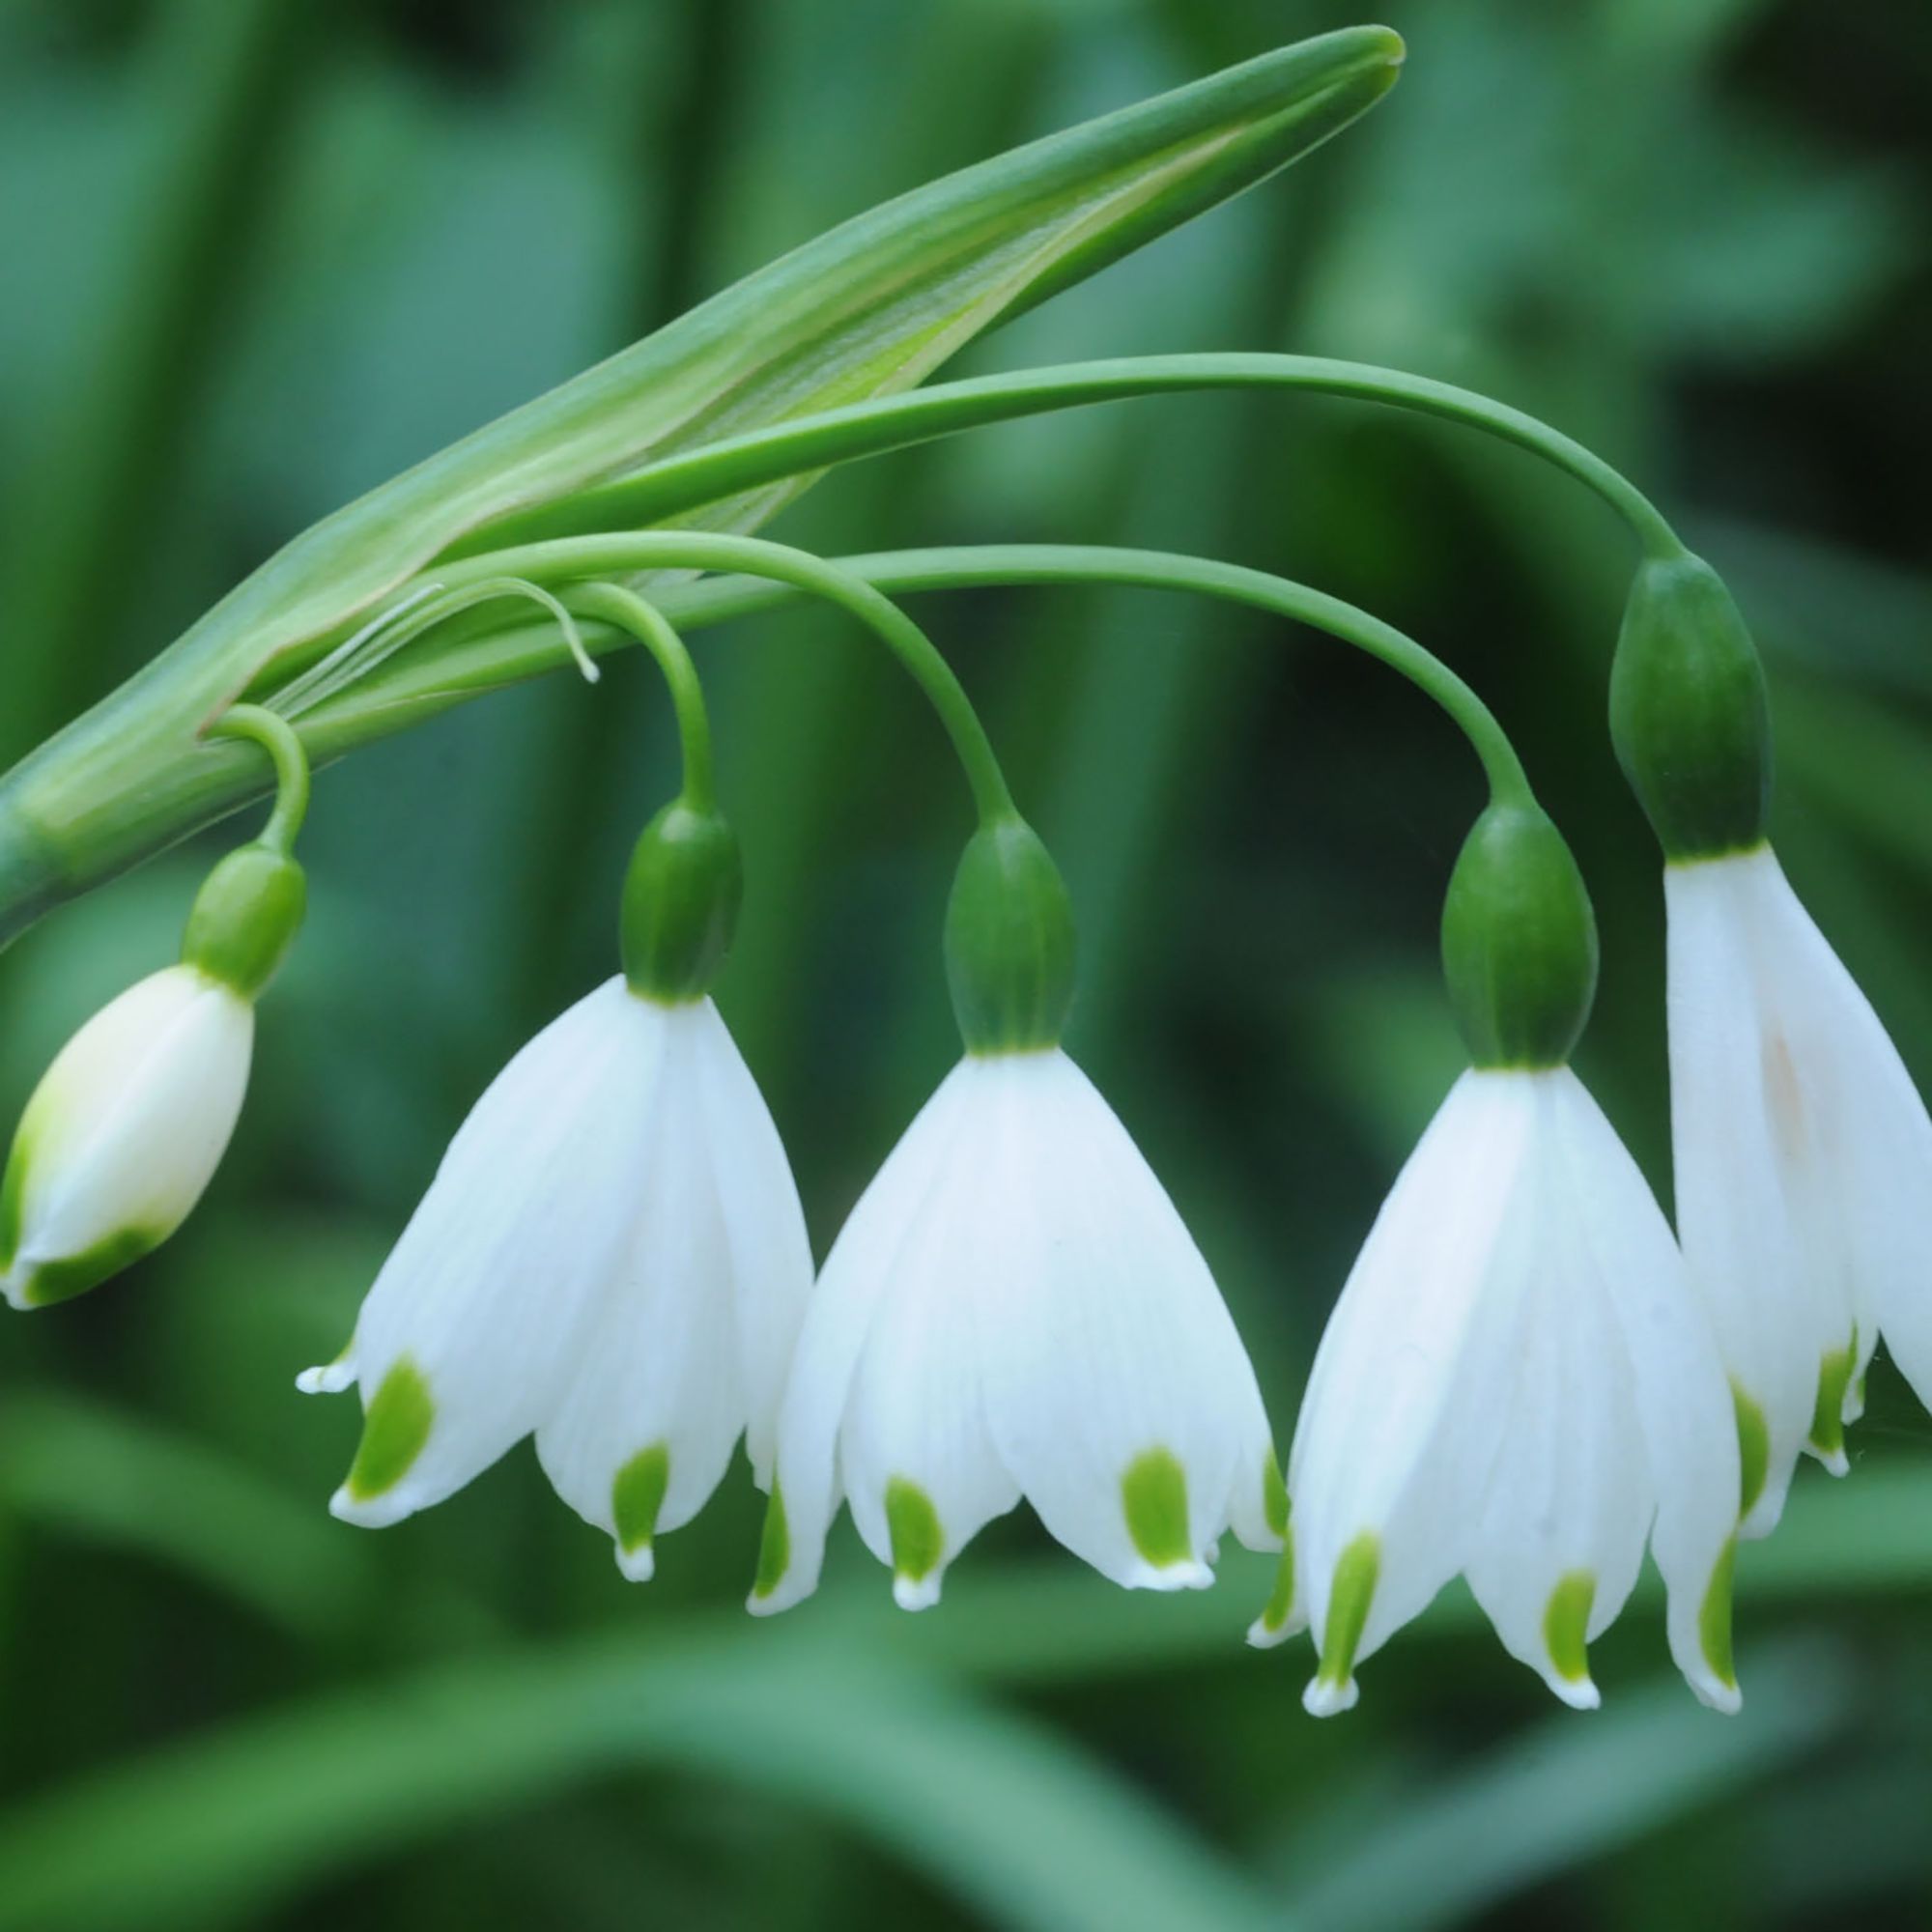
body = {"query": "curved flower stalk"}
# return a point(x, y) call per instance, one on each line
point(1515, 1385)
point(1804, 1153)
point(1016, 1311)
point(123, 1135)
point(612, 1256)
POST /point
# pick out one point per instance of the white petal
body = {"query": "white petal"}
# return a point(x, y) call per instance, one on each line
point(123, 1135)
point(1408, 1397)
point(859, 1273)
point(922, 1474)
point(1117, 1392)
point(644, 1427)
point(764, 1226)
point(1773, 1314)
point(479, 1314)
point(1688, 1427)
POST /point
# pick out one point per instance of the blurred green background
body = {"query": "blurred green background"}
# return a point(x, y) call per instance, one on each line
point(260, 256)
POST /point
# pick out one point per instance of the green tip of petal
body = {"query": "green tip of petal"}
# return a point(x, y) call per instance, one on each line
point(62, 1280)
point(1280, 1605)
point(1154, 1493)
point(773, 1547)
point(13, 1204)
point(394, 1431)
point(1753, 1450)
point(1274, 1497)
point(918, 1542)
point(636, 1496)
point(1714, 1619)
point(1828, 1413)
point(1565, 1627)
point(1349, 1596)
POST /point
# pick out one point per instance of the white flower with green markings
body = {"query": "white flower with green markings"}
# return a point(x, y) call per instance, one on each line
point(1014, 1310)
point(1517, 1385)
point(611, 1257)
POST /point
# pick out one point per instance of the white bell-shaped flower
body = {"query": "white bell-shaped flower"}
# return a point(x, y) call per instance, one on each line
point(1517, 1387)
point(1014, 1310)
point(123, 1134)
point(612, 1257)
point(1804, 1162)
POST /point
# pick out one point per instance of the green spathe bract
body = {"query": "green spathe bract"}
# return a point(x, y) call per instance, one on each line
point(1518, 940)
point(681, 898)
point(872, 307)
point(1009, 942)
point(1689, 711)
point(245, 918)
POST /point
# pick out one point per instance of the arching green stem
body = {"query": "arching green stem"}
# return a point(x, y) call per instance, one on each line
point(577, 558)
point(276, 736)
point(808, 443)
point(645, 622)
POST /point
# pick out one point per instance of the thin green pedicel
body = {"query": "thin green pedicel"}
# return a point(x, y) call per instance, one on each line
point(638, 1494)
point(394, 1432)
point(1753, 1450)
point(1566, 1626)
point(1349, 1599)
point(1153, 1492)
point(1281, 1600)
point(1828, 1413)
point(912, 1523)
point(1714, 1619)
point(773, 1547)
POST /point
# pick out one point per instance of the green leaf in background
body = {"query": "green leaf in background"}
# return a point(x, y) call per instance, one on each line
point(869, 309)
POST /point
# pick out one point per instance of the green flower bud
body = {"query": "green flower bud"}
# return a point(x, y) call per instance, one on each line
point(245, 918)
point(1518, 940)
point(1009, 942)
point(681, 900)
point(1689, 714)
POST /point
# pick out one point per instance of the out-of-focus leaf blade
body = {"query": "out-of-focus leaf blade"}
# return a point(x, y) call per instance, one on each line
point(1026, 1831)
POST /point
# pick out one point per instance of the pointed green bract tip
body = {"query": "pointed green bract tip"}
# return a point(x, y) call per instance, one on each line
point(1566, 1626)
point(912, 1523)
point(1753, 1450)
point(1154, 1493)
point(773, 1547)
point(394, 1431)
point(1281, 1599)
point(1714, 1619)
point(1828, 1414)
point(638, 1494)
point(1349, 1596)
point(74, 1274)
point(1274, 1497)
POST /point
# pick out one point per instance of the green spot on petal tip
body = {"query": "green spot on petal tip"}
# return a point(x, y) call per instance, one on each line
point(912, 1523)
point(62, 1280)
point(1274, 1497)
point(773, 1547)
point(1349, 1596)
point(1714, 1619)
point(394, 1431)
point(1280, 1604)
point(1566, 1626)
point(1154, 1493)
point(1828, 1412)
point(638, 1494)
point(1753, 1450)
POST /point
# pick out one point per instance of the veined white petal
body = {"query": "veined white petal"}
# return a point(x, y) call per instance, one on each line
point(1114, 1386)
point(859, 1273)
point(1408, 1398)
point(1858, 1148)
point(123, 1135)
point(764, 1228)
point(1774, 1313)
point(646, 1423)
point(474, 1325)
point(1689, 1429)
point(920, 1472)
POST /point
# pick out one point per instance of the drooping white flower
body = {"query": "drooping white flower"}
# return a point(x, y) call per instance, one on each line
point(1014, 1310)
point(1516, 1386)
point(123, 1134)
point(611, 1257)
point(1804, 1159)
